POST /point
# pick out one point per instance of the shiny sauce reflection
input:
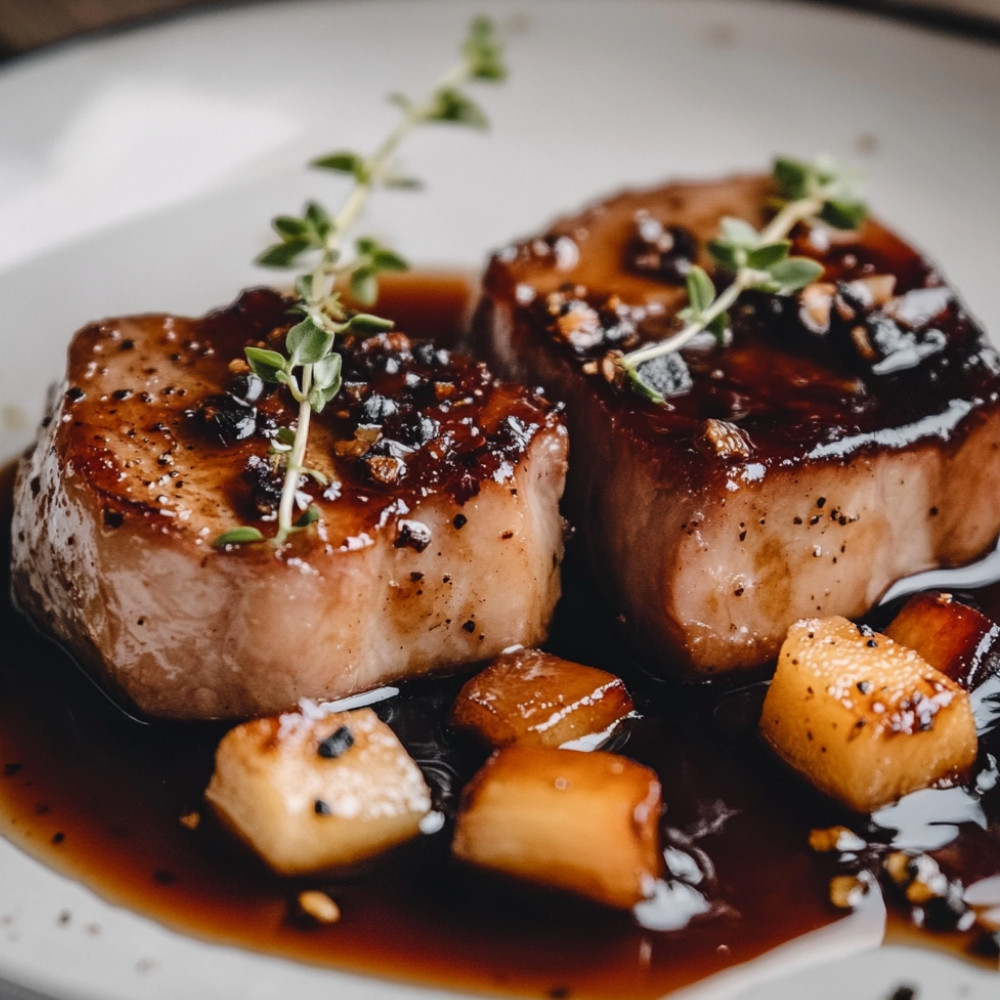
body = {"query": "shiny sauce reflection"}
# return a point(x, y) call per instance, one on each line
point(101, 797)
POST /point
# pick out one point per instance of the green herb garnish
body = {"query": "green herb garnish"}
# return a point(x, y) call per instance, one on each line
point(822, 190)
point(309, 367)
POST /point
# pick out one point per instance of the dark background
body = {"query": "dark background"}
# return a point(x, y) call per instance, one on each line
point(28, 25)
point(31, 24)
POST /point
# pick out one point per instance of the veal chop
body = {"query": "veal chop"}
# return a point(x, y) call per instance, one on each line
point(439, 540)
point(845, 437)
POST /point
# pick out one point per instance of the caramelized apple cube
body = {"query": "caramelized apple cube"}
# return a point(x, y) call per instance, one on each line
point(865, 719)
point(539, 699)
point(311, 793)
point(587, 823)
point(956, 639)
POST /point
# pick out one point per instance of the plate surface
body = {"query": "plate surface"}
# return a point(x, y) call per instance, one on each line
point(138, 173)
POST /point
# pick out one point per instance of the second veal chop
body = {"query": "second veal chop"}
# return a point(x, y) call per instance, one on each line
point(439, 541)
point(845, 437)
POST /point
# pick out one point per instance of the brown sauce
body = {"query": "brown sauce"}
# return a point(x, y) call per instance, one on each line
point(99, 796)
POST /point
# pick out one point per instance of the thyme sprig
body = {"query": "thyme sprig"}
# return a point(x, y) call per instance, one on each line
point(309, 367)
point(809, 192)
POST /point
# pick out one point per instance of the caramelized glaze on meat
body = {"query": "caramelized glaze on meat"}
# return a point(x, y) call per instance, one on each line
point(439, 540)
point(841, 440)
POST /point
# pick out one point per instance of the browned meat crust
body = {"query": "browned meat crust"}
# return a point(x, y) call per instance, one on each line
point(439, 542)
point(838, 443)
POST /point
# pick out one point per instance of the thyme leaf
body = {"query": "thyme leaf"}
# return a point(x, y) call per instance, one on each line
point(309, 367)
point(239, 536)
point(819, 191)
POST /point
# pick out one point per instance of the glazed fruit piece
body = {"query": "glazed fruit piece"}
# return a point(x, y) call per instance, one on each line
point(532, 697)
point(956, 639)
point(863, 718)
point(586, 823)
point(311, 794)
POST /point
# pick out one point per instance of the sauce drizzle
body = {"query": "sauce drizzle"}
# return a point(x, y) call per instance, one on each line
point(100, 797)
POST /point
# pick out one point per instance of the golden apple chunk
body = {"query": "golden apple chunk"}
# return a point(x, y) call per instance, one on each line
point(956, 639)
point(865, 719)
point(534, 697)
point(587, 823)
point(308, 794)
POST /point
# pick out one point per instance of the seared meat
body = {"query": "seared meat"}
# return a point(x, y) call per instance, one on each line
point(844, 438)
point(439, 541)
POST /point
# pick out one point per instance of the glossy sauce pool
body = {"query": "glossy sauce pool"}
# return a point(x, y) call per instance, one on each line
point(100, 797)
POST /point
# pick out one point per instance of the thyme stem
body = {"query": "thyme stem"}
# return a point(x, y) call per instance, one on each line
point(326, 271)
point(309, 344)
point(325, 274)
point(822, 190)
point(295, 461)
point(790, 215)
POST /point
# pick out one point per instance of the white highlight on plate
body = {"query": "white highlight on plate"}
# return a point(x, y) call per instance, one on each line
point(136, 145)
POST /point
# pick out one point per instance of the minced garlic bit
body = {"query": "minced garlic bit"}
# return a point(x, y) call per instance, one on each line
point(318, 906)
point(918, 875)
point(835, 838)
point(724, 439)
point(847, 891)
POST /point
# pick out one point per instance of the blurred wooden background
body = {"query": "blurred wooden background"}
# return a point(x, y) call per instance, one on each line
point(31, 24)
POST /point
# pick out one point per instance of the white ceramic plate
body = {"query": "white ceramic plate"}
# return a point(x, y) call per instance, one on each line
point(138, 173)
